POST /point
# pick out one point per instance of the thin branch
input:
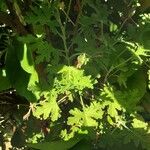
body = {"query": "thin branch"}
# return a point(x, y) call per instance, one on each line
point(27, 115)
point(63, 98)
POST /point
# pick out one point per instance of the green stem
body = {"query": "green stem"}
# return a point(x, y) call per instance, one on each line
point(67, 14)
point(63, 36)
point(68, 19)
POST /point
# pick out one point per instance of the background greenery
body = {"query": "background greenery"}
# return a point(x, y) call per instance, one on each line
point(75, 74)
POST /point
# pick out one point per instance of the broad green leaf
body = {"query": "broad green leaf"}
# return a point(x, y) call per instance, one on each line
point(27, 62)
point(56, 145)
point(138, 82)
point(82, 145)
point(18, 78)
point(28, 66)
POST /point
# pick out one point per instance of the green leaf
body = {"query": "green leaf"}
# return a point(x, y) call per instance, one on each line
point(113, 27)
point(145, 32)
point(56, 145)
point(49, 108)
point(18, 77)
point(82, 145)
point(45, 52)
point(139, 136)
point(42, 16)
point(110, 100)
point(139, 123)
point(138, 51)
point(28, 66)
point(72, 78)
point(128, 99)
point(100, 11)
point(27, 62)
point(88, 117)
point(138, 81)
point(39, 15)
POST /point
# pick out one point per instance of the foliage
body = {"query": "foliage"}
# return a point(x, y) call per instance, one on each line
point(81, 70)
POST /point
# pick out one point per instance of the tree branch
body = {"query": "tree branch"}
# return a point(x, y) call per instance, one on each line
point(20, 28)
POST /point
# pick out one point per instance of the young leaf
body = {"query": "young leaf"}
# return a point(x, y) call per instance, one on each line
point(49, 108)
point(87, 117)
point(72, 78)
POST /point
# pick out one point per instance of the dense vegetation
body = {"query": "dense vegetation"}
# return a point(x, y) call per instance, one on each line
point(75, 74)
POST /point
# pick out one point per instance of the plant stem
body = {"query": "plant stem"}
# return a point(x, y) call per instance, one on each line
point(67, 14)
point(82, 103)
point(102, 29)
point(63, 36)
